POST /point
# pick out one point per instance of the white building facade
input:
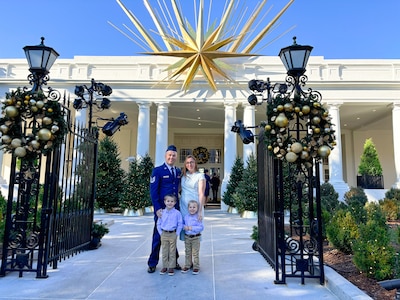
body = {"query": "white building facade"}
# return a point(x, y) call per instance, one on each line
point(363, 98)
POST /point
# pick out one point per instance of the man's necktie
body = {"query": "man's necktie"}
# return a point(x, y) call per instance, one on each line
point(173, 172)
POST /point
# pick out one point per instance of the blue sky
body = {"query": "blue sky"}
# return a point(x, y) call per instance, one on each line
point(335, 28)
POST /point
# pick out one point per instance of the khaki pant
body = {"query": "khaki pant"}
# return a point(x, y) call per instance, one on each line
point(168, 246)
point(192, 251)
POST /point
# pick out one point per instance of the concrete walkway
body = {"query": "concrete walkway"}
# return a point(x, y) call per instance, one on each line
point(230, 269)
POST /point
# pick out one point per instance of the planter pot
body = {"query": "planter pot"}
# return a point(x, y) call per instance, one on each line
point(134, 212)
point(232, 210)
point(370, 182)
point(149, 209)
point(247, 214)
point(95, 243)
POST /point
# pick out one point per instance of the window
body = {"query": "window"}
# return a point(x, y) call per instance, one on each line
point(215, 156)
point(183, 153)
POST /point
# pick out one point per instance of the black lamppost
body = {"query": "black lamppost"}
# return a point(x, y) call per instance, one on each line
point(94, 95)
point(40, 59)
point(88, 97)
point(298, 135)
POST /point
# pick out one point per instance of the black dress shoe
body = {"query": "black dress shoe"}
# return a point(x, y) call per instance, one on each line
point(178, 267)
point(151, 269)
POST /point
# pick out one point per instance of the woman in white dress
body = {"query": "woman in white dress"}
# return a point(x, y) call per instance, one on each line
point(193, 185)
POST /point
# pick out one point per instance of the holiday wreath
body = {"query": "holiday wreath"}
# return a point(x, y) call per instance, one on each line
point(316, 141)
point(201, 154)
point(31, 123)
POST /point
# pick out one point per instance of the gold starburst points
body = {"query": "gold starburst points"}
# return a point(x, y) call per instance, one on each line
point(199, 49)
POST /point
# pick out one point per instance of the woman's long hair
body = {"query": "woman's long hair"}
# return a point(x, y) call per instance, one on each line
point(195, 164)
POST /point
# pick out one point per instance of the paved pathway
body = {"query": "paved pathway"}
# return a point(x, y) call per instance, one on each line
point(230, 269)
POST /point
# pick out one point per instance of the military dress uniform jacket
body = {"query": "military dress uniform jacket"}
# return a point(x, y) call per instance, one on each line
point(162, 183)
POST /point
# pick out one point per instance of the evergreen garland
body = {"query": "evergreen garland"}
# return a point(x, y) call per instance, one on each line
point(234, 179)
point(110, 176)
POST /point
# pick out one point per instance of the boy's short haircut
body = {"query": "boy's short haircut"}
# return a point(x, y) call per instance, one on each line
point(170, 196)
point(193, 201)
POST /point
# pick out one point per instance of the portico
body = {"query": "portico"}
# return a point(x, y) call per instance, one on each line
point(362, 95)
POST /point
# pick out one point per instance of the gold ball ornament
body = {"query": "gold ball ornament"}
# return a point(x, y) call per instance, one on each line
point(15, 143)
point(39, 104)
point(316, 104)
point(291, 157)
point(34, 109)
point(4, 128)
point(20, 152)
point(280, 108)
point(288, 107)
point(50, 110)
point(316, 120)
point(281, 120)
point(296, 147)
point(297, 109)
point(11, 111)
point(317, 130)
point(306, 109)
point(267, 127)
point(304, 155)
point(269, 147)
point(35, 144)
point(6, 139)
point(324, 151)
point(27, 97)
point(47, 120)
point(44, 134)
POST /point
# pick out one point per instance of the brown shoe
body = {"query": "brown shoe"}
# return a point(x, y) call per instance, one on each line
point(184, 270)
point(171, 272)
point(163, 271)
point(195, 271)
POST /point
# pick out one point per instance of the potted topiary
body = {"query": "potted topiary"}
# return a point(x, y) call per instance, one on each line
point(98, 231)
point(370, 168)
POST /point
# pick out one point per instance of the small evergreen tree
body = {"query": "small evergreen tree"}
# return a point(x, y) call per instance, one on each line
point(110, 176)
point(235, 178)
point(246, 193)
point(146, 166)
point(329, 198)
point(369, 164)
point(136, 192)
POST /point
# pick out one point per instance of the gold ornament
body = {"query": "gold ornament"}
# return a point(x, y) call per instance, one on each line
point(296, 147)
point(11, 111)
point(291, 156)
point(306, 109)
point(44, 134)
point(39, 104)
point(15, 143)
point(4, 128)
point(47, 121)
point(324, 151)
point(281, 120)
point(20, 152)
point(5, 139)
point(288, 107)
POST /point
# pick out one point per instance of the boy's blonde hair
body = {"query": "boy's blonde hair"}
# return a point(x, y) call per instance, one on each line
point(193, 201)
point(170, 196)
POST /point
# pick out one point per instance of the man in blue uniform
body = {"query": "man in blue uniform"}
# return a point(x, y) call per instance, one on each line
point(165, 179)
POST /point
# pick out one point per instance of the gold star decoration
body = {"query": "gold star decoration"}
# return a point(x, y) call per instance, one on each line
point(200, 49)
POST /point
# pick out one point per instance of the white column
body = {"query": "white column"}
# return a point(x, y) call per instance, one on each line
point(249, 119)
point(161, 132)
point(143, 130)
point(396, 141)
point(230, 151)
point(335, 158)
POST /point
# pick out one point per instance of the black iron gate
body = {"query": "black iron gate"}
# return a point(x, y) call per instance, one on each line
point(289, 217)
point(51, 216)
